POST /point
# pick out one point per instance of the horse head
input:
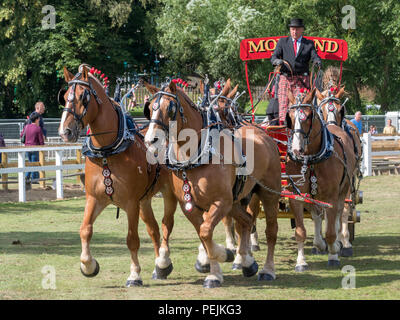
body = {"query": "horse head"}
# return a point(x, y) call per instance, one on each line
point(333, 111)
point(168, 104)
point(79, 106)
point(300, 118)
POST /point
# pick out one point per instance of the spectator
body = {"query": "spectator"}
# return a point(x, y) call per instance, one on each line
point(2, 144)
point(357, 121)
point(40, 109)
point(33, 137)
point(372, 129)
point(389, 129)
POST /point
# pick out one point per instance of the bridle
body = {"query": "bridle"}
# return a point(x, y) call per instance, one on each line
point(328, 104)
point(85, 98)
point(173, 108)
point(299, 113)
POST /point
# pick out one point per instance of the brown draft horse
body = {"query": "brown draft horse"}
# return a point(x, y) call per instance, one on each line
point(133, 179)
point(327, 172)
point(333, 113)
point(211, 185)
point(226, 113)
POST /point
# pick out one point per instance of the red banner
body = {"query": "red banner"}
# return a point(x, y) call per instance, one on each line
point(263, 48)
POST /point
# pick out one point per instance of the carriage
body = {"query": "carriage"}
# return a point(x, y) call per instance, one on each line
point(327, 49)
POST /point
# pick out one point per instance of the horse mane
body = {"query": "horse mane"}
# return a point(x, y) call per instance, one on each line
point(330, 78)
point(187, 98)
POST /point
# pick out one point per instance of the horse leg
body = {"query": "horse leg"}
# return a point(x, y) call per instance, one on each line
point(216, 253)
point(347, 250)
point(333, 216)
point(229, 233)
point(320, 246)
point(254, 209)
point(89, 265)
point(270, 204)
point(163, 262)
point(244, 260)
point(300, 235)
point(133, 243)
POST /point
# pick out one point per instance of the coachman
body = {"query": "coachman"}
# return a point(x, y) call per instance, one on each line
point(298, 52)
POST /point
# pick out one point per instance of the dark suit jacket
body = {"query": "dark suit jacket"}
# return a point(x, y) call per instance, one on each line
point(300, 64)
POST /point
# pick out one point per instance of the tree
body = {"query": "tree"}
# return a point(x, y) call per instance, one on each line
point(102, 33)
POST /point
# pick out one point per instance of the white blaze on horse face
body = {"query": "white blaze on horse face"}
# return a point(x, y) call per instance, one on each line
point(61, 130)
point(297, 142)
point(331, 115)
point(151, 134)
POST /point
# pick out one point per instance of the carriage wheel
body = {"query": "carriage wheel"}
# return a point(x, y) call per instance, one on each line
point(352, 227)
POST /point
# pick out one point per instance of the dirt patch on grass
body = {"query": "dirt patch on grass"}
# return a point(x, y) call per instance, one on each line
point(38, 193)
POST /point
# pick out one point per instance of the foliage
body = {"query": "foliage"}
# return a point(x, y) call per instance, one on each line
point(190, 36)
point(102, 33)
point(204, 36)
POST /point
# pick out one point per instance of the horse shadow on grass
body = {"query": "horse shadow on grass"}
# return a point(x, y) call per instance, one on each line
point(67, 243)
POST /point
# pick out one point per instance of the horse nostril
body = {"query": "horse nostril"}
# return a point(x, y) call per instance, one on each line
point(154, 140)
point(67, 132)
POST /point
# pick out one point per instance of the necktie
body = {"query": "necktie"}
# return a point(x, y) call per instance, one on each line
point(295, 47)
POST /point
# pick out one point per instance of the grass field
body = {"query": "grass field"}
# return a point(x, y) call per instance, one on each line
point(38, 234)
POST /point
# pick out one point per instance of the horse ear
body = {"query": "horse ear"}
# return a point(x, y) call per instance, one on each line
point(233, 92)
point(172, 87)
point(68, 76)
point(152, 89)
point(202, 87)
point(340, 93)
point(319, 95)
point(227, 87)
point(291, 97)
point(84, 73)
point(310, 96)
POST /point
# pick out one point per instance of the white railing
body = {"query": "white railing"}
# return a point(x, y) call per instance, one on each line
point(58, 167)
point(368, 154)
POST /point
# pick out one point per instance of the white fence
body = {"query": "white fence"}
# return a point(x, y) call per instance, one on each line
point(58, 167)
point(368, 154)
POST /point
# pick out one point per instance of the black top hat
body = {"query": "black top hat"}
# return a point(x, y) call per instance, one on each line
point(297, 23)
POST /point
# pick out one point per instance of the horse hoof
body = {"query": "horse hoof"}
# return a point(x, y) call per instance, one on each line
point(333, 263)
point(255, 248)
point(134, 283)
point(346, 252)
point(301, 268)
point(250, 271)
point(236, 266)
point(162, 274)
point(202, 268)
point(229, 255)
point(211, 284)
point(95, 272)
point(265, 277)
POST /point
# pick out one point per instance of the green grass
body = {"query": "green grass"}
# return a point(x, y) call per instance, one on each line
point(48, 233)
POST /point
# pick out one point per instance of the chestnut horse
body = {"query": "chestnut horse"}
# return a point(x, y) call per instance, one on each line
point(325, 158)
point(205, 191)
point(126, 172)
point(333, 112)
point(230, 118)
